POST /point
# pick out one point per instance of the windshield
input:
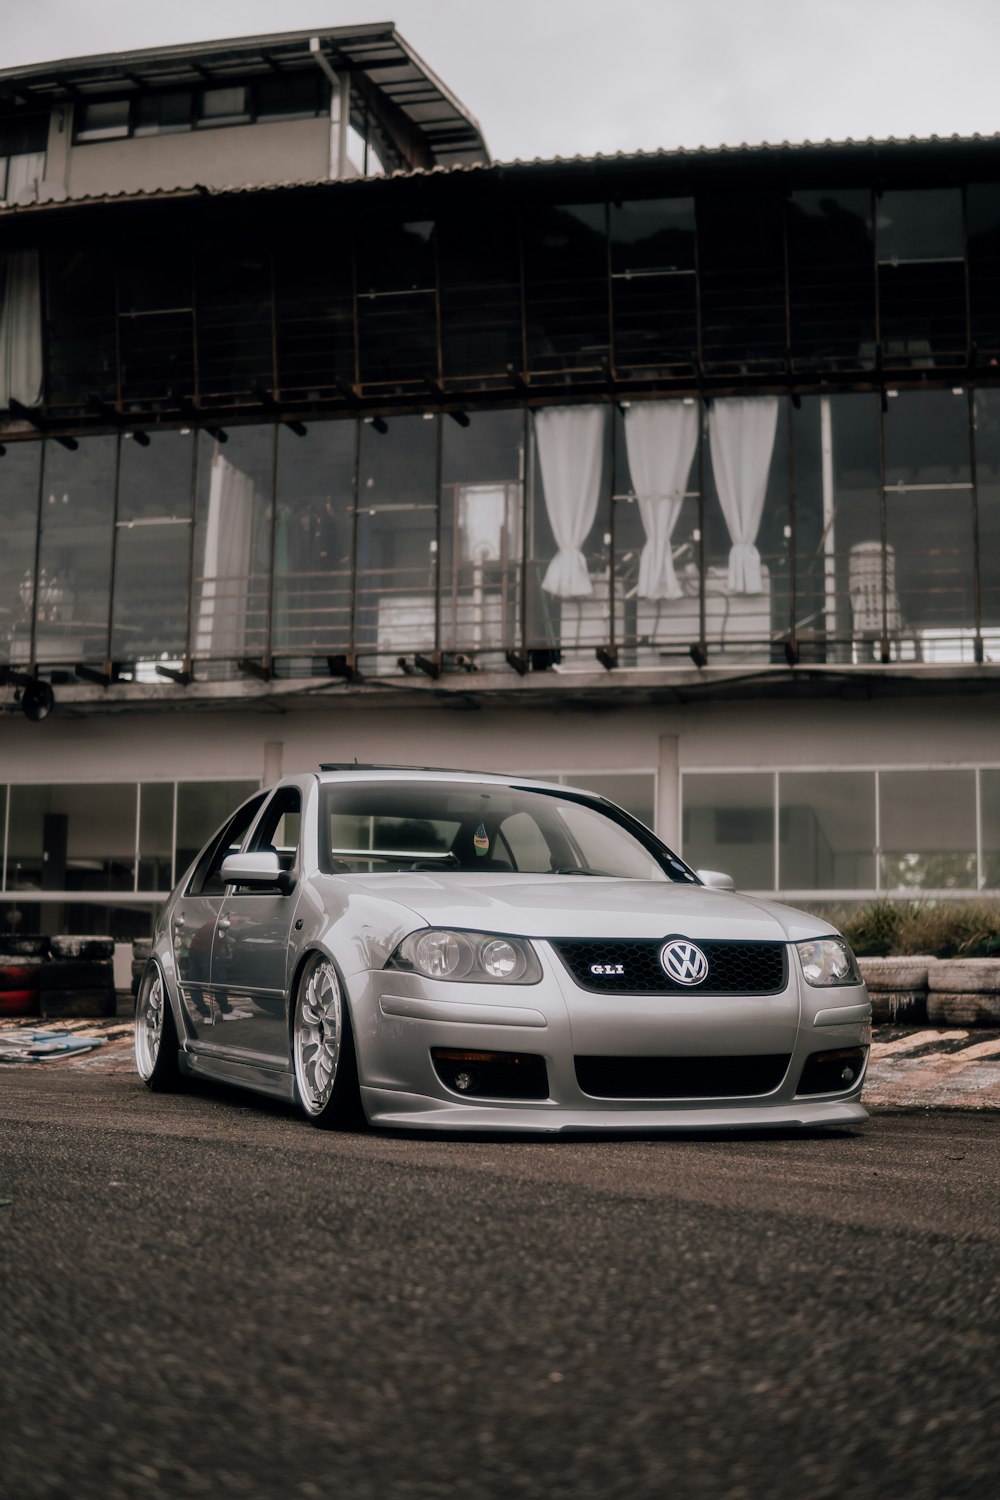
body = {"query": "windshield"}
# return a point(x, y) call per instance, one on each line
point(370, 827)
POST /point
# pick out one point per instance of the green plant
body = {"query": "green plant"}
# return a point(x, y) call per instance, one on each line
point(945, 929)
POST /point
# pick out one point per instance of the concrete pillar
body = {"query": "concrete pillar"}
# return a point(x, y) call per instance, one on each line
point(668, 791)
point(272, 761)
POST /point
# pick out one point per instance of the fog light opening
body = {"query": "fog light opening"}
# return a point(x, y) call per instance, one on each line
point(494, 1075)
point(832, 1072)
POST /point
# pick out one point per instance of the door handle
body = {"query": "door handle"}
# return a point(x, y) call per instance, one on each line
point(224, 924)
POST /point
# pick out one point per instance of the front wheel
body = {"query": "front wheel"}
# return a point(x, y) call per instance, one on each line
point(326, 1073)
point(155, 1033)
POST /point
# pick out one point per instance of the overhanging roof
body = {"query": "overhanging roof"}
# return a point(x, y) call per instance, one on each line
point(384, 60)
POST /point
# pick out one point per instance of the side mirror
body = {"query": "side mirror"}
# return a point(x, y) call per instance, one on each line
point(714, 879)
point(263, 869)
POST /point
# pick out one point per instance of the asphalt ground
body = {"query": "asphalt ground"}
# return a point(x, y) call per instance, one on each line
point(204, 1296)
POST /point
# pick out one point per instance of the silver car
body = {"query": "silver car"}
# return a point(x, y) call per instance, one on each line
point(456, 951)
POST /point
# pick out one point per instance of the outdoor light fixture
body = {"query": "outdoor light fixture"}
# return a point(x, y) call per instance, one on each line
point(142, 438)
point(3, 450)
point(69, 443)
point(35, 696)
point(218, 433)
point(461, 417)
point(698, 654)
point(299, 428)
point(792, 653)
point(380, 425)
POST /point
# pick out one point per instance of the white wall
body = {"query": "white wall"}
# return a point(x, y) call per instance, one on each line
point(276, 151)
point(261, 744)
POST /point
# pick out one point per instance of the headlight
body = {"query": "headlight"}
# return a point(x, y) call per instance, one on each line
point(475, 957)
point(827, 961)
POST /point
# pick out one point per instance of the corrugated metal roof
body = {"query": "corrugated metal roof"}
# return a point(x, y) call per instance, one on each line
point(496, 168)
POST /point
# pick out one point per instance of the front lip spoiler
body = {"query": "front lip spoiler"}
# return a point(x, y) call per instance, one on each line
point(395, 1110)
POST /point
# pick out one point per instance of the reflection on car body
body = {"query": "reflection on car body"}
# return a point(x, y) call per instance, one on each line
point(458, 951)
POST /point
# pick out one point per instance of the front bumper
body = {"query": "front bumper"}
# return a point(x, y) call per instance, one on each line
point(400, 1017)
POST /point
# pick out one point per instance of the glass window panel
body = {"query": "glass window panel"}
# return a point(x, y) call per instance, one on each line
point(920, 224)
point(572, 624)
point(989, 812)
point(838, 548)
point(396, 268)
point(480, 294)
point(739, 624)
point(566, 288)
point(741, 257)
point(988, 507)
point(633, 790)
point(481, 495)
point(929, 564)
point(24, 133)
point(653, 284)
point(396, 256)
point(396, 569)
point(202, 808)
point(156, 836)
point(153, 549)
point(232, 544)
point(288, 95)
point(162, 114)
point(831, 277)
point(729, 826)
point(74, 563)
point(313, 539)
point(223, 106)
point(102, 120)
point(72, 838)
point(827, 830)
point(655, 630)
point(982, 206)
point(314, 310)
point(19, 474)
point(922, 296)
point(81, 358)
point(928, 830)
point(155, 320)
point(235, 339)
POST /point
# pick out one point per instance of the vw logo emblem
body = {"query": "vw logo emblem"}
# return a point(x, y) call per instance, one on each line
point(683, 961)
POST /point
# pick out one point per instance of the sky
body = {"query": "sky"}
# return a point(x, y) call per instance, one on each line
point(563, 77)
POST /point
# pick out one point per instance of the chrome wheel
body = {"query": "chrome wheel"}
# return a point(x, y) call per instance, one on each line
point(318, 1036)
point(149, 1024)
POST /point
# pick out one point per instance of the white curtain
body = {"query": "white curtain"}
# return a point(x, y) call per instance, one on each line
point(20, 329)
point(741, 430)
point(661, 437)
point(222, 611)
point(571, 454)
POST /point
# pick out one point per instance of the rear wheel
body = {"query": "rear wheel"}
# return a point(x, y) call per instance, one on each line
point(326, 1073)
point(155, 1033)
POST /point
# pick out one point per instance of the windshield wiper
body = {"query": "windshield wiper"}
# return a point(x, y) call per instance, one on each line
point(580, 870)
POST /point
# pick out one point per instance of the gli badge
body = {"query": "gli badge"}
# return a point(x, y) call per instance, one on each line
point(683, 962)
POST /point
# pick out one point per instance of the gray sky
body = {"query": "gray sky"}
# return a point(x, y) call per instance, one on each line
point(558, 77)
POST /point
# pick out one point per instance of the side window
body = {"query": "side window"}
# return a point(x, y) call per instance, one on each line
point(278, 829)
point(205, 881)
point(529, 851)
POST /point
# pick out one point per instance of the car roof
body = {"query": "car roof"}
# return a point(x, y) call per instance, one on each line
point(330, 773)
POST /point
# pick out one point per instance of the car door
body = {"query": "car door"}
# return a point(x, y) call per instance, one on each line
point(250, 958)
point(194, 919)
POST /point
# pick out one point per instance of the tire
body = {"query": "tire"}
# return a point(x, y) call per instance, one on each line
point(29, 945)
point(77, 974)
point(155, 1034)
point(79, 1002)
point(323, 1056)
point(83, 947)
point(19, 974)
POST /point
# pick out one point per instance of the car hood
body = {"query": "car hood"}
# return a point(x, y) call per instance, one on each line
point(553, 906)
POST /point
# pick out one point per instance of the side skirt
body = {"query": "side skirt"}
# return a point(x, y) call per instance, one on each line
point(275, 1082)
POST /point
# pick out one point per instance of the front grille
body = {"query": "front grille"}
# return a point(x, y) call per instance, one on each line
point(733, 968)
point(680, 1077)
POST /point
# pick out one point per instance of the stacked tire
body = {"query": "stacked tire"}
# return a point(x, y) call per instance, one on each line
point(897, 988)
point(141, 950)
point(22, 959)
point(79, 978)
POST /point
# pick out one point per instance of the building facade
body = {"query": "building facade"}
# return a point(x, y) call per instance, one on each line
point(324, 436)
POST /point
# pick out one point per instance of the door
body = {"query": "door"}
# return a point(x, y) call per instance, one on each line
point(251, 955)
point(194, 920)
